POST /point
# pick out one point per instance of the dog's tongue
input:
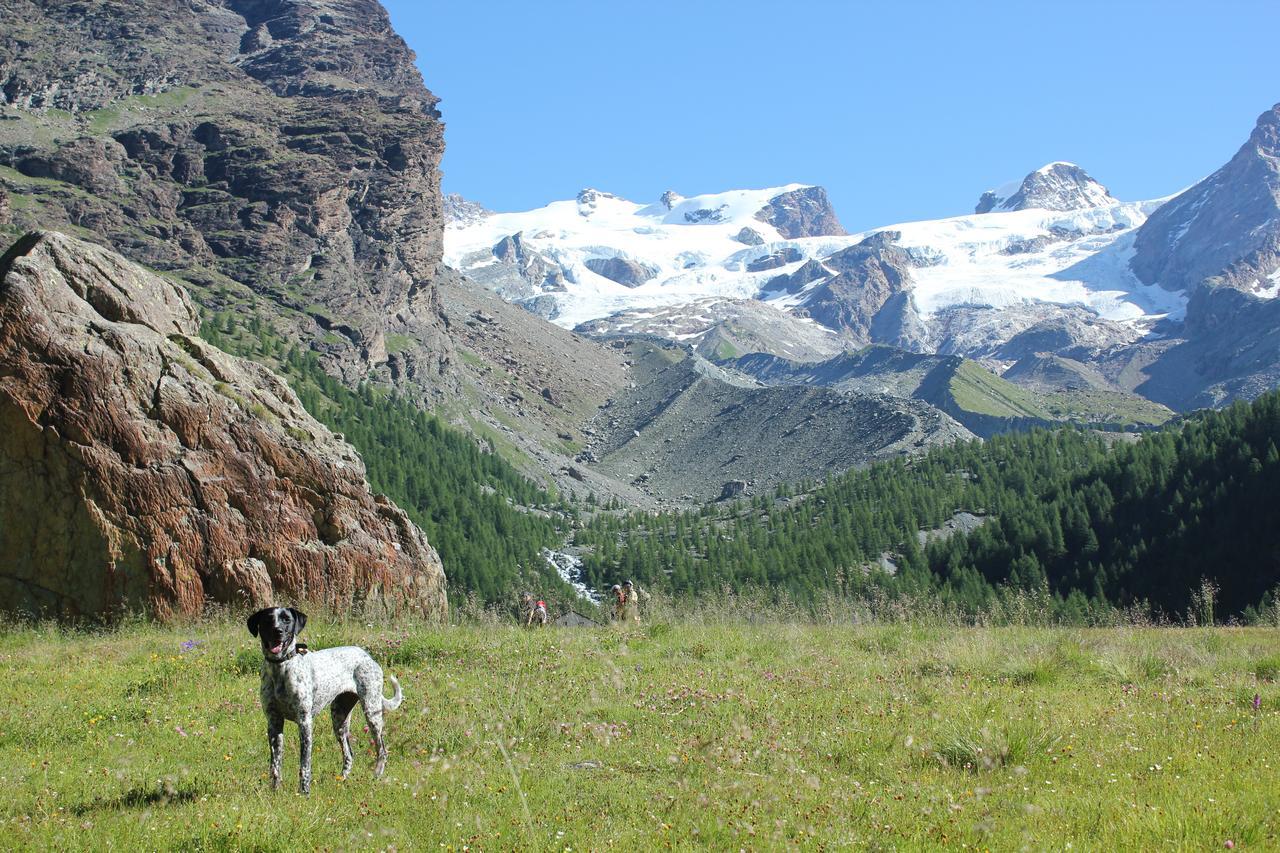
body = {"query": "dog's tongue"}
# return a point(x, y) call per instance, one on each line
point(275, 650)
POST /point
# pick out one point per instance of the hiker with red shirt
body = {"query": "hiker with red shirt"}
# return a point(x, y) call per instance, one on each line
point(535, 611)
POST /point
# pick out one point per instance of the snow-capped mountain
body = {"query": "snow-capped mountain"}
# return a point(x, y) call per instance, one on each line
point(966, 284)
point(1173, 298)
point(1055, 186)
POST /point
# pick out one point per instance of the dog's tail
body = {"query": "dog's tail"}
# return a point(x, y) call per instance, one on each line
point(396, 698)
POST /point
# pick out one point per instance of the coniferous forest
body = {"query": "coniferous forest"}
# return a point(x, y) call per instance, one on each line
point(1099, 521)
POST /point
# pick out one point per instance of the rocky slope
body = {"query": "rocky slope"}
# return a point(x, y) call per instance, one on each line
point(164, 474)
point(689, 430)
point(281, 157)
point(531, 387)
point(1227, 226)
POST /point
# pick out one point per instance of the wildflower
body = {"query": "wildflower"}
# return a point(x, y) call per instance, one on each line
point(189, 645)
point(1257, 702)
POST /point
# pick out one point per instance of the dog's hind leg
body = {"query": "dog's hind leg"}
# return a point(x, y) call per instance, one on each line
point(341, 711)
point(374, 716)
point(275, 737)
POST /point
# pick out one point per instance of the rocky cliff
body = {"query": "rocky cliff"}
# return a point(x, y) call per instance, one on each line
point(868, 298)
point(279, 155)
point(1228, 225)
point(806, 212)
point(143, 469)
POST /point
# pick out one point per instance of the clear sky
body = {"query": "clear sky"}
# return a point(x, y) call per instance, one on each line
point(902, 110)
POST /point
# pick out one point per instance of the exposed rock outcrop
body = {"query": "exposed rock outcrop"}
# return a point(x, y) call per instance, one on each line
point(542, 275)
point(867, 277)
point(805, 212)
point(724, 328)
point(1057, 186)
point(1228, 225)
point(801, 213)
point(624, 271)
point(143, 469)
point(462, 211)
point(773, 260)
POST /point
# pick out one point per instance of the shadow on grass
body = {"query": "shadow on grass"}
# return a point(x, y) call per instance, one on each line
point(142, 797)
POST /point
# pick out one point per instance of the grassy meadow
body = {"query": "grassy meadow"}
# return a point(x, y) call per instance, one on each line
point(667, 735)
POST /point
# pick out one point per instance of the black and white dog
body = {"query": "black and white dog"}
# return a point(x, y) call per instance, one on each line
point(297, 685)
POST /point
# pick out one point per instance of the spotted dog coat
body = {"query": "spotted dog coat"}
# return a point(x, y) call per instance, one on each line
point(297, 686)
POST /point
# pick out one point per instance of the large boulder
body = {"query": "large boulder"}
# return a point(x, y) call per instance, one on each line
point(142, 469)
point(624, 271)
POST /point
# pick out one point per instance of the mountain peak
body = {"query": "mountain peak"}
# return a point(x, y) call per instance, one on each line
point(1054, 186)
point(1227, 226)
point(802, 212)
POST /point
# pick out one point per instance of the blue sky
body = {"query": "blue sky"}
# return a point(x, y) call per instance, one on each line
point(902, 110)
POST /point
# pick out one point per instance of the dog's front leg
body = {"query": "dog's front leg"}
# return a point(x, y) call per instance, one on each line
point(304, 758)
point(275, 738)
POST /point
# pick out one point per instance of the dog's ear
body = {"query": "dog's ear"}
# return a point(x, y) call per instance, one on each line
point(255, 619)
point(300, 618)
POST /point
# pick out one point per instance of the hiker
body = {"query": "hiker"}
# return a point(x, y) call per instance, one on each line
point(535, 612)
point(619, 603)
point(631, 601)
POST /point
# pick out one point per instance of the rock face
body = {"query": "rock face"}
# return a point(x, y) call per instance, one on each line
point(1228, 225)
point(289, 147)
point(871, 278)
point(533, 268)
point(773, 260)
point(461, 211)
point(626, 272)
point(805, 212)
point(165, 474)
point(733, 489)
point(1057, 186)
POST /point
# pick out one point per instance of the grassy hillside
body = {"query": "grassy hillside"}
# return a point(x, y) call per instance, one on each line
point(975, 389)
point(972, 390)
point(719, 736)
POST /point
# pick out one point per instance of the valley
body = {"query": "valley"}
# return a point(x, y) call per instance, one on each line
point(605, 359)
